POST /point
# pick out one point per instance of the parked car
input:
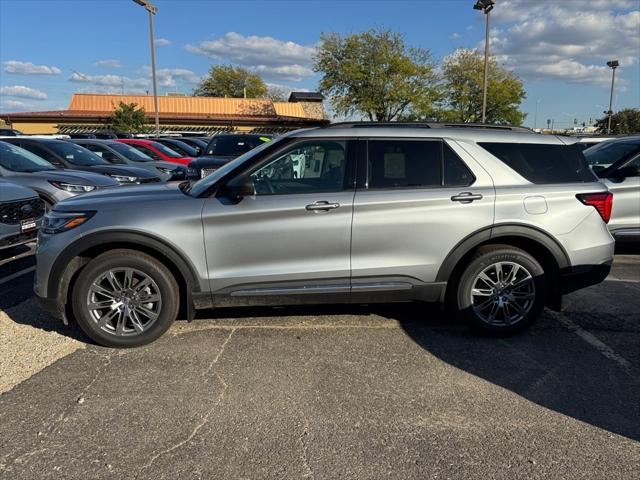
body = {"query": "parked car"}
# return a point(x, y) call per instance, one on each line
point(21, 212)
point(590, 141)
point(9, 132)
point(64, 154)
point(82, 135)
point(495, 223)
point(199, 144)
point(177, 145)
point(52, 185)
point(157, 151)
point(222, 149)
point(119, 153)
point(617, 163)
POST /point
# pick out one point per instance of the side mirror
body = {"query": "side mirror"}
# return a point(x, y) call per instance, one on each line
point(239, 188)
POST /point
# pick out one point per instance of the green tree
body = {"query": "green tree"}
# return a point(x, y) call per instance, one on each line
point(623, 122)
point(463, 76)
point(128, 118)
point(374, 74)
point(230, 81)
point(277, 93)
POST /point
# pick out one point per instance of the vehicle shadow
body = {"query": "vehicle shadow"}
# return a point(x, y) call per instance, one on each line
point(548, 364)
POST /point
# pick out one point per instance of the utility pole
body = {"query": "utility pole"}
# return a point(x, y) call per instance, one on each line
point(613, 64)
point(152, 9)
point(486, 6)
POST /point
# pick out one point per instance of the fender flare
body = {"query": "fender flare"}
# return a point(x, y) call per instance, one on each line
point(55, 283)
point(502, 230)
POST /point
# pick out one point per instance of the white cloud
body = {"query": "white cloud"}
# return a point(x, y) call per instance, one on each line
point(28, 68)
point(109, 63)
point(106, 89)
point(14, 106)
point(170, 77)
point(20, 91)
point(454, 36)
point(109, 80)
point(161, 42)
point(266, 55)
point(568, 41)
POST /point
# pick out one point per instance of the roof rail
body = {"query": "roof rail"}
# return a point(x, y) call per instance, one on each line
point(486, 126)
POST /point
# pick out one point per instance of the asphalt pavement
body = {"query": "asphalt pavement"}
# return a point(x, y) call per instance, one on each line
point(362, 392)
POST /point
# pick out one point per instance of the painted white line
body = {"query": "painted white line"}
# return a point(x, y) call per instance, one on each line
point(594, 341)
point(626, 280)
point(13, 276)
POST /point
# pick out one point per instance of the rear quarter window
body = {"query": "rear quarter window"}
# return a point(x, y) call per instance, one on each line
point(544, 164)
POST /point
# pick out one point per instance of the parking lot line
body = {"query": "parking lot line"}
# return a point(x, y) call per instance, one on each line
point(13, 276)
point(594, 341)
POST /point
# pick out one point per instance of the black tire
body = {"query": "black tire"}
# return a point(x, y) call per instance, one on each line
point(485, 260)
point(165, 284)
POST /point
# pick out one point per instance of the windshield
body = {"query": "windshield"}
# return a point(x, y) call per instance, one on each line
point(17, 159)
point(130, 152)
point(181, 147)
point(233, 145)
point(76, 154)
point(606, 153)
point(165, 150)
point(199, 187)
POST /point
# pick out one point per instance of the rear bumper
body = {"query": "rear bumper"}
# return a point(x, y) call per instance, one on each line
point(582, 276)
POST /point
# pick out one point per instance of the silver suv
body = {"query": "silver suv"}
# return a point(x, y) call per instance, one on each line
point(495, 222)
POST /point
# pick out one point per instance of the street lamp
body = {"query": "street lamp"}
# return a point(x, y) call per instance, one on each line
point(152, 9)
point(613, 64)
point(486, 6)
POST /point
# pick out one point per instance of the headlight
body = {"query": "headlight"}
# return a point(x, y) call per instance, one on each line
point(167, 170)
point(56, 222)
point(72, 187)
point(125, 179)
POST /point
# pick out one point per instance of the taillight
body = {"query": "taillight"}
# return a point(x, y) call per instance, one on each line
point(602, 202)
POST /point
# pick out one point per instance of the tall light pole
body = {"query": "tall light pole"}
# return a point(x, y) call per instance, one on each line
point(486, 6)
point(613, 64)
point(535, 116)
point(152, 9)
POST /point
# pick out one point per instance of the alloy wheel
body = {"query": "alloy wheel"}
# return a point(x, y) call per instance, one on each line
point(124, 301)
point(503, 293)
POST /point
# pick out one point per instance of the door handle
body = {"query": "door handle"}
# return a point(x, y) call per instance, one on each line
point(322, 206)
point(466, 197)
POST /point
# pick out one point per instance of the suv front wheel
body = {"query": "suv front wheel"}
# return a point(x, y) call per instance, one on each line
point(125, 298)
point(502, 290)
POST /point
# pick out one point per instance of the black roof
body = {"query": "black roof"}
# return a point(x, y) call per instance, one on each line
point(306, 97)
point(484, 126)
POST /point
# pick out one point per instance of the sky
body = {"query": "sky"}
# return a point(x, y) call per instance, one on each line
point(559, 48)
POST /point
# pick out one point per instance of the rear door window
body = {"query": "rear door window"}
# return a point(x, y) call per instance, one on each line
point(544, 164)
point(414, 164)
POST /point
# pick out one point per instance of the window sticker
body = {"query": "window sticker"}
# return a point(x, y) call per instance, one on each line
point(394, 165)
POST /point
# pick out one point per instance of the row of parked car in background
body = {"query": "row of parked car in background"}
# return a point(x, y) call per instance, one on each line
point(50, 169)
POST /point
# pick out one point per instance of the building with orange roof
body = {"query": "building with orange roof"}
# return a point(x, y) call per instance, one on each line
point(178, 114)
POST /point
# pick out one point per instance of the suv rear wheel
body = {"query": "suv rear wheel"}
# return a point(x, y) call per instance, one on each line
point(502, 290)
point(125, 298)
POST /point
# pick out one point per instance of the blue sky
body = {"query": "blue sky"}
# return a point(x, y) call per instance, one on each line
point(50, 49)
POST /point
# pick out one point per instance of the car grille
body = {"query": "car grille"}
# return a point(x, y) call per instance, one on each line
point(205, 172)
point(13, 213)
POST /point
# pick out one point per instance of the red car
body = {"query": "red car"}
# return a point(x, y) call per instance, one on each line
point(156, 150)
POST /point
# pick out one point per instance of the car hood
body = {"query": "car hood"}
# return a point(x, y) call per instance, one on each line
point(10, 192)
point(74, 176)
point(124, 197)
point(163, 164)
point(118, 170)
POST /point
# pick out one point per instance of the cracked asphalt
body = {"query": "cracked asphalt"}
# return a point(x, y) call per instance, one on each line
point(362, 392)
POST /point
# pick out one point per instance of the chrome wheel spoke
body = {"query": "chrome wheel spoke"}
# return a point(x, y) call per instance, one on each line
point(486, 279)
point(102, 291)
point(102, 304)
point(142, 284)
point(122, 320)
point(107, 318)
point(135, 321)
point(512, 274)
point(482, 292)
point(146, 312)
point(113, 281)
point(128, 278)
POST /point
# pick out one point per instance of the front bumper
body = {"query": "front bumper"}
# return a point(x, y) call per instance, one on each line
point(582, 276)
point(9, 241)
